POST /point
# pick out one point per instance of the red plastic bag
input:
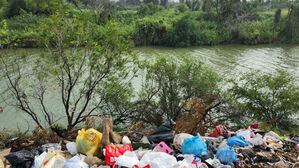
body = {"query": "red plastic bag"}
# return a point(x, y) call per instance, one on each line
point(113, 152)
point(220, 130)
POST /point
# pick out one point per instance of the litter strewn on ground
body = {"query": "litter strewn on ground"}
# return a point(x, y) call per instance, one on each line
point(162, 149)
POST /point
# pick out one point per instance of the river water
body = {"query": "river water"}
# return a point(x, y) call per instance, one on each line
point(227, 60)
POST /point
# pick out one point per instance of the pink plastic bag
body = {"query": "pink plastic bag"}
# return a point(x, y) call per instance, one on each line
point(162, 147)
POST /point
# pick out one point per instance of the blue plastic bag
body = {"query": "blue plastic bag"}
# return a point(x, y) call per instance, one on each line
point(237, 140)
point(226, 155)
point(194, 146)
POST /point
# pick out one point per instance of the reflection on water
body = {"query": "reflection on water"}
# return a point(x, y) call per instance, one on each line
point(227, 60)
point(231, 59)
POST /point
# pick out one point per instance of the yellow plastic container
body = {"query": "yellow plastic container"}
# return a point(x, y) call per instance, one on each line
point(89, 142)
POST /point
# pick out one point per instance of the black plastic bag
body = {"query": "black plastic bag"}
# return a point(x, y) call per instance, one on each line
point(20, 159)
point(211, 146)
point(163, 133)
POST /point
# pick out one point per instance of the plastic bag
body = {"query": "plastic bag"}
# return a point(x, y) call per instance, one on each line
point(20, 159)
point(162, 147)
point(1, 164)
point(195, 146)
point(53, 146)
point(53, 160)
point(126, 140)
point(245, 134)
point(112, 152)
point(129, 159)
point(226, 155)
point(179, 139)
point(39, 160)
point(271, 135)
point(163, 133)
point(237, 140)
point(75, 162)
point(257, 140)
point(89, 142)
point(220, 130)
point(211, 150)
point(72, 148)
point(158, 160)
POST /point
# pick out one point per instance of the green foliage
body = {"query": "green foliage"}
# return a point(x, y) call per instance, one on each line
point(4, 40)
point(3, 6)
point(149, 9)
point(168, 83)
point(45, 7)
point(15, 7)
point(268, 97)
point(149, 31)
point(184, 33)
point(182, 7)
point(257, 32)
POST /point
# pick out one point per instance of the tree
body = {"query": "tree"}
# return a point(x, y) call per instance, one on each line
point(3, 7)
point(169, 83)
point(267, 97)
point(14, 7)
point(164, 3)
point(86, 72)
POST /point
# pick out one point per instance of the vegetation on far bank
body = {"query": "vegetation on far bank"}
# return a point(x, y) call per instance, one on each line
point(88, 57)
point(163, 23)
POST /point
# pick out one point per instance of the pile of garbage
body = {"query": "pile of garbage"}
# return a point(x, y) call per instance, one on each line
point(163, 148)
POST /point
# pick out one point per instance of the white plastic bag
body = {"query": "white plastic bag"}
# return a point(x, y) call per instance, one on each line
point(183, 164)
point(53, 160)
point(145, 140)
point(72, 148)
point(158, 160)
point(129, 159)
point(179, 139)
point(245, 134)
point(271, 135)
point(38, 161)
point(257, 140)
point(75, 162)
point(126, 140)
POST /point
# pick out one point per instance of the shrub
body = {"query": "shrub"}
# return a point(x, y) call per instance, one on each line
point(272, 98)
point(257, 32)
